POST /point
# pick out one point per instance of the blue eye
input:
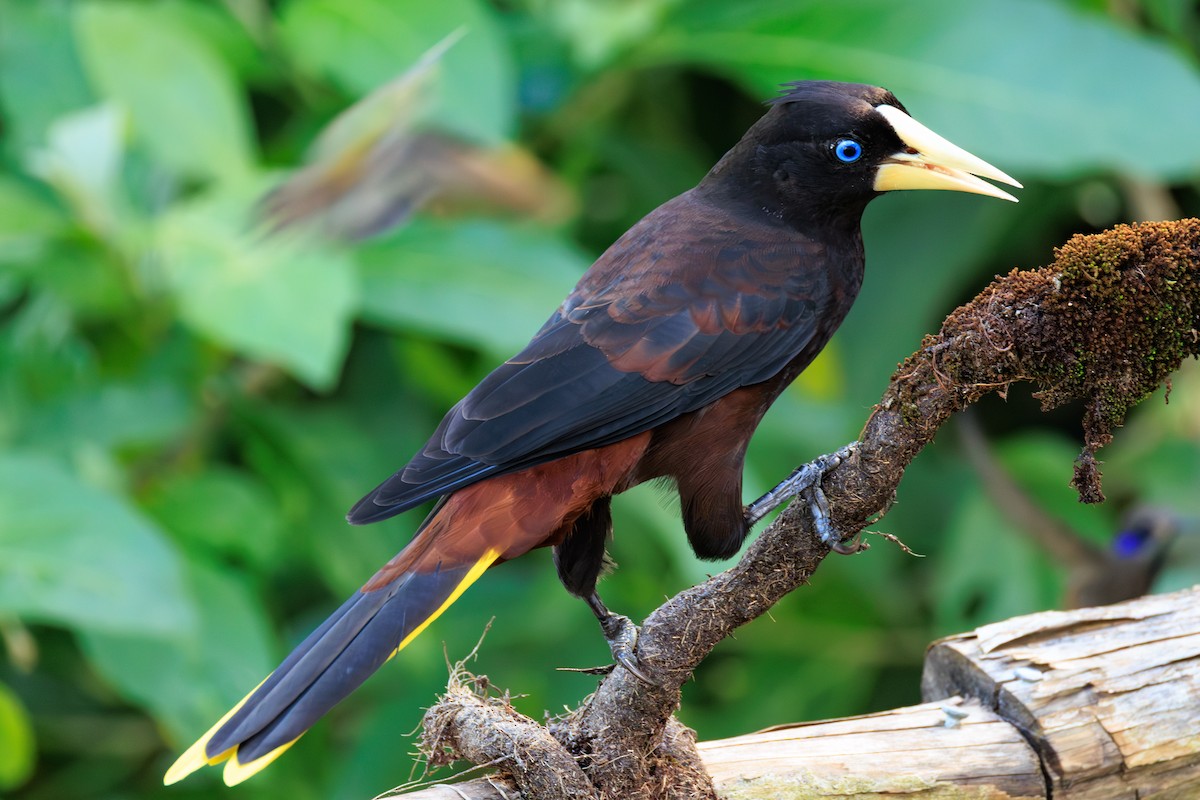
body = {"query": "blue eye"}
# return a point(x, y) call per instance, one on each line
point(848, 151)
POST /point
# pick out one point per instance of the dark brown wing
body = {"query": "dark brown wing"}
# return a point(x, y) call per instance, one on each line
point(690, 304)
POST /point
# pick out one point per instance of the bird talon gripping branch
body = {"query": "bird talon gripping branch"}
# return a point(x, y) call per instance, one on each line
point(818, 506)
point(622, 642)
point(660, 364)
point(621, 634)
point(800, 483)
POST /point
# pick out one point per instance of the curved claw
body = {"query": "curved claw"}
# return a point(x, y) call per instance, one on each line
point(848, 547)
point(629, 661)
point(622, 635)
point(818, 506)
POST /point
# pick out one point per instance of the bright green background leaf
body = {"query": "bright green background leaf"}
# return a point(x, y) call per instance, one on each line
point(281, 300)
point(26, 222)
point(17, 745)
point(188, 681)
point(40, 74)
point(361, 44)
point(182, 99)
point(78, 555)
point(456, 281)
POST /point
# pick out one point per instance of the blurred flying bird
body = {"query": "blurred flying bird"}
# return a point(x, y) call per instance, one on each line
point(381, 160)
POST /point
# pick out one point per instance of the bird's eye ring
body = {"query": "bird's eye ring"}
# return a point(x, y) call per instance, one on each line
point(847, 151)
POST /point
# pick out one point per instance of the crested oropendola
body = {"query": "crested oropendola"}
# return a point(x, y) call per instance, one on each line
point(659, 364)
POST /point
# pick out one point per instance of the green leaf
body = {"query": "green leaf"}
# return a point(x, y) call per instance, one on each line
point(989, 571)
point(85, 279)
point(1041, 463)
point(281, 300)
point(361, 44)
point(220, 510)
point(40, 75)
point(184, 103)
point(41, 359)
point(82, 160)
point(478, 283)
point(80, 556)
point(598, 32)
point(109, 415)
point(1155, 459)
point(27, 222)
point(992, 569)
point(17, 744)
point(229, 29)
point(1173, 16)
point(189, 681)
point(319, 464)
point(1089, 95)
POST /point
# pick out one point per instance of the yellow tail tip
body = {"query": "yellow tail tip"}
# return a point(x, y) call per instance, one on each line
point(192, 759)
point(196, 756)
point(236, 771)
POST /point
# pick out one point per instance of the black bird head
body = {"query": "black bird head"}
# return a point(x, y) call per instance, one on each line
point(826, 149)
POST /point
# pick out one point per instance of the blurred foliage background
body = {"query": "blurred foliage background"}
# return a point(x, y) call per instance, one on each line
point(188, 404)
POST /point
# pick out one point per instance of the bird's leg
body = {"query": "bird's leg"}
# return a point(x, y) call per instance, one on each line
point(621, 634)
point(806, 482)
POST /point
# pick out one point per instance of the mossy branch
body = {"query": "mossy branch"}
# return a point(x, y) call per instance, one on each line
point(1106, 323)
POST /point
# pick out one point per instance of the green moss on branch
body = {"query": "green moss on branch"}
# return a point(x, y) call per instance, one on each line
point(1106, 323)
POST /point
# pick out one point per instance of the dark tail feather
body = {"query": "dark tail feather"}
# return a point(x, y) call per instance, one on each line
point(369, 628)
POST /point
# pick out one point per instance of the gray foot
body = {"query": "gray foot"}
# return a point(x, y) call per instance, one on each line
point(805, 482)
point(622, 636)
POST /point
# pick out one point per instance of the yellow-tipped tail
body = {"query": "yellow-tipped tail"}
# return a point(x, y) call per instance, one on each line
point(235, 772)
point(194, 757)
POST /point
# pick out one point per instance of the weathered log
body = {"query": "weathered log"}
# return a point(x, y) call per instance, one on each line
point(1108, 696)
point(919, 751)
point(1093, 704)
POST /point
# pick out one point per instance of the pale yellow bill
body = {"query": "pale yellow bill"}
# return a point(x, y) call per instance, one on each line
point(931, 162)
